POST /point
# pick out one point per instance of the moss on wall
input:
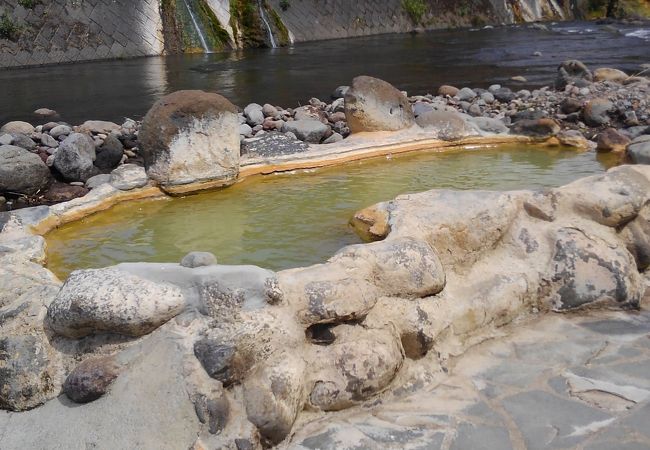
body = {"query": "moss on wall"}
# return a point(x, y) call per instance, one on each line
point(246, 23)
point(279, 29)
point(216, 34)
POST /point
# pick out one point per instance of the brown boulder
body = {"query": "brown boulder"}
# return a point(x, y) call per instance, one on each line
point(611, 140)
point(372, 104)
point(190, 141)
point(445, 89)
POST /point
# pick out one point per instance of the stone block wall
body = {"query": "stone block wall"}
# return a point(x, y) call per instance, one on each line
point(61, 31)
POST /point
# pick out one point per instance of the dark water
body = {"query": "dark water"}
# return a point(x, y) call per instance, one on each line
point(419, 63)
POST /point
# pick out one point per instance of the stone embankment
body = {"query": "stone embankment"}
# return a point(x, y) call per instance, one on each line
point(606, 109)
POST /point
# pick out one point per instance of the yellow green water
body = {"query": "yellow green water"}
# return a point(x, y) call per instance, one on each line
point(295, 219)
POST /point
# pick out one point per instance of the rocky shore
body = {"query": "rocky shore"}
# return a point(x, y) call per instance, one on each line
point(606, 110)
point(200, 355)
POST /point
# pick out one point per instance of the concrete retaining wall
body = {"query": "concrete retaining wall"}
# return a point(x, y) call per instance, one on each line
point(61, 31)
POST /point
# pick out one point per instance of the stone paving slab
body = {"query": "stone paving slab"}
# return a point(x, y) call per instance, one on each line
point(555, 381)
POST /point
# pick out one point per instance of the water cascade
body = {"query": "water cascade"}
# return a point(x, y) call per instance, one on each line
point(266, 24)
point(199, 32)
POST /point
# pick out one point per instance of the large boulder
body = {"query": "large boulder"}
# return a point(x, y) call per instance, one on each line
point(111, 300)
point(75, 156)
point(22, 172)
point(191, 138)
point(449, 125)
point(372, 104)
point(307, 130)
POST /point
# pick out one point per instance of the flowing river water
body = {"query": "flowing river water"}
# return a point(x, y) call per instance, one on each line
point(296, 219)
point(113, 90)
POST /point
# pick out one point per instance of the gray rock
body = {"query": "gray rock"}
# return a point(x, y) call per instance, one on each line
point(17, 127)
point(639, 152)
point(312, 131)
point(504, 95)
point(112, 300)
point(75, 156)
point(596, 112)
point(109, 154)
point(449, 125)
point(335, 137)
point(364, 364)
point(49, 141)
point(372, 104)
point(245, 130)
point(27, 372)
point(587, 270)
point(572, 71)
point(198, 259)
point(219, 360)
point(21, 171)
point(60, 130)
point(421, 108)
point(254, 114)
point(340, 92)
point(466, 94)
point(128, 176)
point(274, 394)
point(6, 139)
point(487, 97)
point(91, 379)
point(490, 125)
point(24, 141)
point(97, 180)
point(272, 144)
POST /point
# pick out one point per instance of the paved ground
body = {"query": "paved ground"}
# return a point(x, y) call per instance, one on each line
point(558, 381)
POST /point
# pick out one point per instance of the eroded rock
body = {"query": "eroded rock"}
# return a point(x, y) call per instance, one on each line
point(587, 270)
point(112, 300)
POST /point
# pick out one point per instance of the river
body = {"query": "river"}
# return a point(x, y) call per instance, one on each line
point(419, 63)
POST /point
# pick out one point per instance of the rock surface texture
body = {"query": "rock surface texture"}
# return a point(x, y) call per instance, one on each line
point(372, 104)
point(249, 358)
point(191, 137)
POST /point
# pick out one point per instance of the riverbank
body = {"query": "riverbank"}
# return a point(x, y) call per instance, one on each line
point(244, 353)
point(606, 109)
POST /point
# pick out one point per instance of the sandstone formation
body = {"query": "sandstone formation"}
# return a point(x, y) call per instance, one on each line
point(191, 137)
point(242, 353)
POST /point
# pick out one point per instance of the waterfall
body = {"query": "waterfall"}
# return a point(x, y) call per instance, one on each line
point(266, 24)
point(204, 44)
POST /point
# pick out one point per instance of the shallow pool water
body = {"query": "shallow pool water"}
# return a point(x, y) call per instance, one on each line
point(295, 219)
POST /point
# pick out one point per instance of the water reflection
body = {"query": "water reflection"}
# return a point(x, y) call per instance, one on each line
point(418, 63)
